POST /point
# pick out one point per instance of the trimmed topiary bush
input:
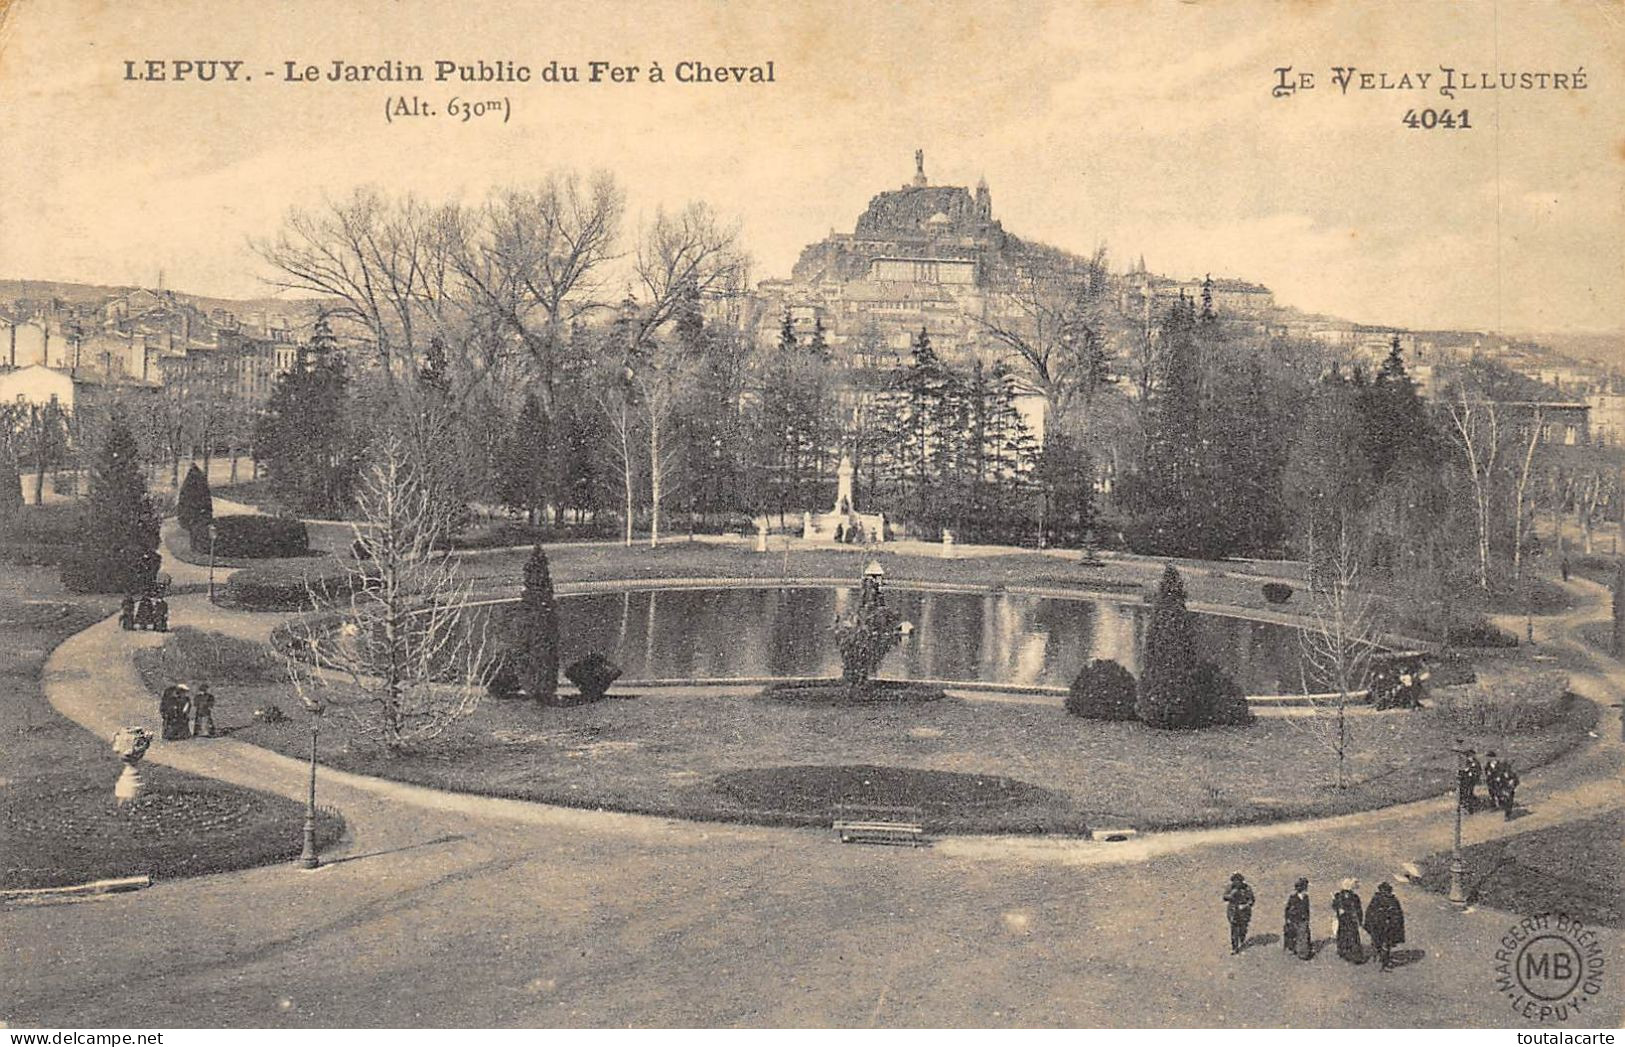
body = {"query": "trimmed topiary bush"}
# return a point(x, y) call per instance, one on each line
point(1103, 690)
point(537, 626)
point(1277, 592)
point(1220, 701)
point(1167, 695)
point(593, 676)
point(194, 506)
point(254, 537)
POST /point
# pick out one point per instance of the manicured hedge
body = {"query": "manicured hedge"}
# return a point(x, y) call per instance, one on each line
point(253, 537)
point(283, 586)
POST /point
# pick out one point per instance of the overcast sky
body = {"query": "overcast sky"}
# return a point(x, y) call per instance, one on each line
point(1148, 127)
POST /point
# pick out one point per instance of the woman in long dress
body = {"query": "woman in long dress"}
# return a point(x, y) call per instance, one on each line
point(1295, 936)
point(1346, 905)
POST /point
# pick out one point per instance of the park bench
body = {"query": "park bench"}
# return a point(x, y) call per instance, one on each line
point(857, 823)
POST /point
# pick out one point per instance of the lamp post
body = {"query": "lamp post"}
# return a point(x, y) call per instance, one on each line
point(1458, 863)
point(307, 857)
point(211, 561)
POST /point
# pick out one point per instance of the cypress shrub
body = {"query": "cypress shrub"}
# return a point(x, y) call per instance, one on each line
point(1167, 696)
point(194, 506)
point(538, 631)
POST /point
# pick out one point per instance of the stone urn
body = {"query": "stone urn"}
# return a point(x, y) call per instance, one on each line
point(130, 745)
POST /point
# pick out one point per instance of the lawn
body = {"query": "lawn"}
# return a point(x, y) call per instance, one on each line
point(681, 753)
point(58, 824)
point(1576, 869)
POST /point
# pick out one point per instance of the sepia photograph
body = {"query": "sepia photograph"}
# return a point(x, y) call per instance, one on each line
point(811, 514)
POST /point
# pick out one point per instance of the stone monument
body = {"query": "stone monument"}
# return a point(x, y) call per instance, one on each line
point(845, 515)
point(130, 745)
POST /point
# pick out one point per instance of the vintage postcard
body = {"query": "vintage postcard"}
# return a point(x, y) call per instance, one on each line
point(908, 514)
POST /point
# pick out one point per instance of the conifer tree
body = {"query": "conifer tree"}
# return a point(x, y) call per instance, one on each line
point(522, 472)
point(118, 535)
point(1168, 694)
point(194, 506)
point(305, 439)
point(538, 630)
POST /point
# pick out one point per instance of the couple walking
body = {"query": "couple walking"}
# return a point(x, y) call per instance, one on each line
point(1383, 920)
point(184, 714)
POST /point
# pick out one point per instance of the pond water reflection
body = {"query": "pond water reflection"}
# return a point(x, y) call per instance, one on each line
point(987, 637)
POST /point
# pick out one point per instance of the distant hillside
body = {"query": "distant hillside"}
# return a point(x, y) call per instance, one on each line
point(1606, 349)
point(38, 290)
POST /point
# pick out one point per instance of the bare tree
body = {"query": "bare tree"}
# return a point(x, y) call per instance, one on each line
point(385, 262)
point(405, 659)
point(1337, 646)
point(1530, 441)
point(1476, 427)
point(616, 394)
point(1053, 313)
point(682, 258)
point(531, 260)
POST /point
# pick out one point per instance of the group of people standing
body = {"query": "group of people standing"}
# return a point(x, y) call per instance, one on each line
point(185, 714)
point(1383, 920)
point(149, 612)
point(1495, 773)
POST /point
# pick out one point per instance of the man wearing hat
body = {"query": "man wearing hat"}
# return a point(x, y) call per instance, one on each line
point(1239, 908)
point(202, 711)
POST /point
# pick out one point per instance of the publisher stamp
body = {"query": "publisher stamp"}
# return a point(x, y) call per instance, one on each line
point(1550, 967)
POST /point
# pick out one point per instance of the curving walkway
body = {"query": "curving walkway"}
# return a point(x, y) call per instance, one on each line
point(446, 909)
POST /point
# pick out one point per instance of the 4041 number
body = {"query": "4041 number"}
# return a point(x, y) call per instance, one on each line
point(1428, 119)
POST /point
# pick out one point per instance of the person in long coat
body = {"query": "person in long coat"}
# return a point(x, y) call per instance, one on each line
point(1468, 775)
point(1492, 777)
point(1509, 789)
point(1385, 922)
point(1346, 906)
point(1295, 936)
point(126, 612)
point(1239, 900)
point(175, 709)
point(143, 613)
